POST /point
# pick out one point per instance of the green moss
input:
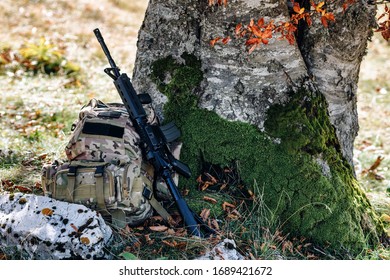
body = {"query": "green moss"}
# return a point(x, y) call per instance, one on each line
point(307, 186)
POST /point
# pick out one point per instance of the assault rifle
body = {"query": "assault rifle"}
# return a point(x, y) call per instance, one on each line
point(154, 140)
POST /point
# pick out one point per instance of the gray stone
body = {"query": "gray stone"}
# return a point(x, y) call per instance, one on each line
point(44, 228)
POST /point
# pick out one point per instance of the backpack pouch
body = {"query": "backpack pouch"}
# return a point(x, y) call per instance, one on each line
point(85, 185)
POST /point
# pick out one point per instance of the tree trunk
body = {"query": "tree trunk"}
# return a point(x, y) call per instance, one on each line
point(286, 114)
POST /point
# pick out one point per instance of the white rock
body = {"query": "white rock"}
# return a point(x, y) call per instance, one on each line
point(46, 228)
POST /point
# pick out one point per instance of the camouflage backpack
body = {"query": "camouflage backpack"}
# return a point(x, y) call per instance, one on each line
point(105, 170)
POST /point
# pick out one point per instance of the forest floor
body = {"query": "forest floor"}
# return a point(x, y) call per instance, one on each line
point(37, 110)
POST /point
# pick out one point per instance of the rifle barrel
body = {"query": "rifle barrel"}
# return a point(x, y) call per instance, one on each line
point(106, 51)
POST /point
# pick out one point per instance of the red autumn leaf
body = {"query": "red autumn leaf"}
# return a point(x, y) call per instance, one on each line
point(297, 8)
point(253, 41)
point(347, 3)
point(384, 26)
point(267, 34)
point(330, 16)
point(23, 189)
point(325, 17)
point(318, 7)
point(260, 22)
point(213, 41)
point(308, 19)
point(226, 40)
point(256, 31)
point(324, 22)
point(7, 184)
point(238, 29)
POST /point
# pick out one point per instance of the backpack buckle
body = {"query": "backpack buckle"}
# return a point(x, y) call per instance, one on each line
point(147, 193)
point(72, 171)
point(99, 171)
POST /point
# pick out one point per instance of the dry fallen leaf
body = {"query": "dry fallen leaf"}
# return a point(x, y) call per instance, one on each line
point(47, 211)
point(205, 214)
point(215, 224)
point(84, 240)
point(210, 199)
point(23, 189)
point(158, 228)
point(375, 165)
point(226, 205)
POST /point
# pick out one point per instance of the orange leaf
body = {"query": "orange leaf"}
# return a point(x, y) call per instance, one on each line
point(213, 41)
point(260, 22)
point(267, 34)
point(205, 186)
point(297, 8)
point(324, 21)
point(264, 41)
point(256, 31)
point(330, 16)
point(318, 6)
point(237, 31)
point(47, 211)
point(375, 165)
point(85, 240)
point(253, 41)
